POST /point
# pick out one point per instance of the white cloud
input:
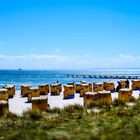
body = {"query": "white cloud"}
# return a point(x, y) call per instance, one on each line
point(17, 57)
point(47, 57)
point(127, 57)
point(42, 56)
point(2, 56)
point(43, 61)
point(51, 61)
point(8, 57)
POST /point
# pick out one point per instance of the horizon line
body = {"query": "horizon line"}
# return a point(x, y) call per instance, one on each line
point(22, 69)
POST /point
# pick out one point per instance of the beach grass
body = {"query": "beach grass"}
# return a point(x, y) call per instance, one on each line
point(118, 120)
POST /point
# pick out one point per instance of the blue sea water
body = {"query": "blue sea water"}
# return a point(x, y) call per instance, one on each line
point(36, 77)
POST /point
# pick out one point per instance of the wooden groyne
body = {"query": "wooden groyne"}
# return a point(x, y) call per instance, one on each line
point(101, 76)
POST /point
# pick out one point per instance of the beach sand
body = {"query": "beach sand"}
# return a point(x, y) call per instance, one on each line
point(19, 104)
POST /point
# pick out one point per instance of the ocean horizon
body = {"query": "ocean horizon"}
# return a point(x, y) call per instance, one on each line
point(36, 77)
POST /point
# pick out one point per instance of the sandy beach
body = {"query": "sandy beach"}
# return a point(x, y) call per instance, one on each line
point(19, 104)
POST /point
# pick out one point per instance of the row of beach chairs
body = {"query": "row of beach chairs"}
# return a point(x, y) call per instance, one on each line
point(92, 92)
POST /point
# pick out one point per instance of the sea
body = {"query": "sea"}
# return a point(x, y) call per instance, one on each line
point(37, 77)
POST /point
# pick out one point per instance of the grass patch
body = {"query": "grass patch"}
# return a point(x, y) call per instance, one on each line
point(116, 121)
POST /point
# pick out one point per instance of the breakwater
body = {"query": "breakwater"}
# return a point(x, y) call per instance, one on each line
point(101, 76)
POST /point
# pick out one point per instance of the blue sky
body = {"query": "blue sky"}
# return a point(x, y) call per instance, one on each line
point(69, 34)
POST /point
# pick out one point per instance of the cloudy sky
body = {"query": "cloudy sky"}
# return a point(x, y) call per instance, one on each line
point(69, 34)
